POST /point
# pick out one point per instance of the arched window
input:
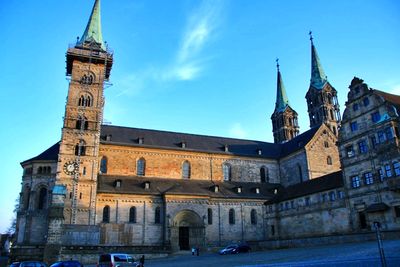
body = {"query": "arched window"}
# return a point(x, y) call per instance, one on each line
point(300, 172)
point(80, 149)
point(87, 79)
point(186, 169)
point(103, 165)
point(227, 171)
point(132, 215)
point(106, 214)
point(329, 160)
point(42, 200)
point(40, 170)
point(140, 167)
point(85, 101)
point(264, 174)
point(231, 216)
point(253, 216)
point(209, 216)
point(82, 123)
point(157, 215)
point(332, 115)
point(326, 144)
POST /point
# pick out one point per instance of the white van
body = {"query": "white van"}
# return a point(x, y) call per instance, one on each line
point(117, 260)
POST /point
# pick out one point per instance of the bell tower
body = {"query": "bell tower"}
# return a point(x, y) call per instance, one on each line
point(284, 118)
point(323, 106)
point(89, 64)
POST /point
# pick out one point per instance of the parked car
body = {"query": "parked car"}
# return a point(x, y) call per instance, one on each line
point(67, 264)
point(32, 264)
point(117, 260)
point(15, 264)
point(234, 249)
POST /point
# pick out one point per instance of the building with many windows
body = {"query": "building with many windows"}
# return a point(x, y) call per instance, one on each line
point(370, 155)
point(104, 188)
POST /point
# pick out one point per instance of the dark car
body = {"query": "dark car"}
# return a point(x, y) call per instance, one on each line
point(67, 264)
point(234, 249)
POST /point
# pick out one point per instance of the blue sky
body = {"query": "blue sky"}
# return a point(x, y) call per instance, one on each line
point(205, 67)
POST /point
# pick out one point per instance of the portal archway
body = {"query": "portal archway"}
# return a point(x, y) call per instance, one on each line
point(187, 230)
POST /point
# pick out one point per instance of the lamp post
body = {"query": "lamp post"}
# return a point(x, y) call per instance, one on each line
point(377, 226)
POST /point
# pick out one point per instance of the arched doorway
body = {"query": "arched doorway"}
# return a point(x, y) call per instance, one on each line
point(187, 230)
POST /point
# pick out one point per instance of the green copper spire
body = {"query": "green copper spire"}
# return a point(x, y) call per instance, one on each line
point(282, 100)
point(93, 29)
point(318, 77)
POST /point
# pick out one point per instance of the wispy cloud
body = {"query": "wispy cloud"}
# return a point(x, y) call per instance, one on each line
point(237, 131)
point(201, 27)
point(189, 60)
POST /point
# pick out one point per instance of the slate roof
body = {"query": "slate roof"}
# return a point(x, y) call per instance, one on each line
point(160, 186)
point(49, 154)
point(320, 184)
point(202, 143)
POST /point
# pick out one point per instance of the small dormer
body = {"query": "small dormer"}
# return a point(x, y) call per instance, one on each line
point(183, 144)
point(275, 191)
point(146, 185)
point(117, 183)
point(215, 188)
point(257, 190)
point(259, 151)
point(141, 140)
point(226, 148)
point(238, 189)
point(108, 137)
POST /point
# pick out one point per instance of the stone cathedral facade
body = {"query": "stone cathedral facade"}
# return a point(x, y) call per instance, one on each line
point(103, 187)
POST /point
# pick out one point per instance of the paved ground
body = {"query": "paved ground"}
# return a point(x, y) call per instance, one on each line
point(356, 254)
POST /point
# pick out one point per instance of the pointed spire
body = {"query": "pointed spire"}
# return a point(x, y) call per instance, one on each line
point(93, 29)
point(318, 77)
point(282, 100)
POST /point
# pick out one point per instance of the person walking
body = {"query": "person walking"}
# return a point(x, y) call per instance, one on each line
point(197, 251)
point(141, 261)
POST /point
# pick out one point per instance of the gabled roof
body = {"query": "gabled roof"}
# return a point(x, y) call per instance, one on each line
point(167, 186)
point(49, 154)
point(299, 142)
point(393, 99)
point(327, 182)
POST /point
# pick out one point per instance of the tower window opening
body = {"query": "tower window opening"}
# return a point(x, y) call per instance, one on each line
point(85, 101)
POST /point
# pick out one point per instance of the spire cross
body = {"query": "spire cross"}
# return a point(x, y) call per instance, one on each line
point(277, 63)
point(311, 38)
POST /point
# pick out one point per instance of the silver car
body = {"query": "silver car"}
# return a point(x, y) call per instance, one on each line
point(117, 260)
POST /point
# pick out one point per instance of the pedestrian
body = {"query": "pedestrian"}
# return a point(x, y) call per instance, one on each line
point(197, 251)
point(141, 261)
point(193, 250)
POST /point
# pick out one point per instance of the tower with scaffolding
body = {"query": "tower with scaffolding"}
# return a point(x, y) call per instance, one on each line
point(88, 65)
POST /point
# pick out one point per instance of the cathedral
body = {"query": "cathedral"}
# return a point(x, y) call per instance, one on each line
point(105, 188)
